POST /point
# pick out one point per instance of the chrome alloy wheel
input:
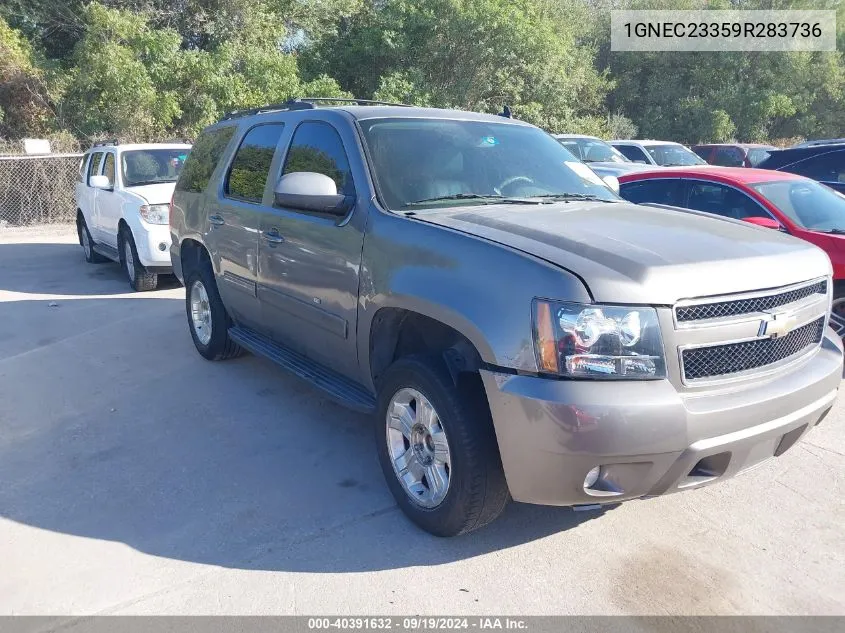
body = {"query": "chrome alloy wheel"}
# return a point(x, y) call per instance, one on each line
point(418, 448)
point(200, 313)
point(129, 260)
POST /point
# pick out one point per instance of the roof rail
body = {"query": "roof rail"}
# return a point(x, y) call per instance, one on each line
point(112, 141)
point(305, 103)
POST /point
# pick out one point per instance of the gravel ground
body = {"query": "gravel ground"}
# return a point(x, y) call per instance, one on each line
point(137, 478)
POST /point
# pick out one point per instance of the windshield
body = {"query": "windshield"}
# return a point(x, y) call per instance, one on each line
point(150, 166)
point(432, 163)
point(593, 150)
point(809, 204)
point(757, 155)
point(674, 155)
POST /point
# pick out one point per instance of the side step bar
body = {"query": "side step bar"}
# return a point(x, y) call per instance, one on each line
point(106, 251)
point(340, 388)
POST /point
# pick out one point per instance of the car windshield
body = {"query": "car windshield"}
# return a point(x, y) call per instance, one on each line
point(674, 155)
point(151, 166)
point(593, 150)
point(808, 203)
point(432, 163)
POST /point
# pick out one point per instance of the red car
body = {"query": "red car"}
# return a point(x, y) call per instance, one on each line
point(773, 199)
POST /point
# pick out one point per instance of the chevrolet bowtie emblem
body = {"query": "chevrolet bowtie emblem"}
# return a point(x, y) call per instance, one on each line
point(776, 325)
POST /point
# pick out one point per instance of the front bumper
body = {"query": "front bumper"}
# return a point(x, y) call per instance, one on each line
point(153, 245)
point(649, 437)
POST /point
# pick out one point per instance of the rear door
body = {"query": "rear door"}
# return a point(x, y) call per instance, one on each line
point(94, 169)
point(108, 203)
point(234, 216)
point(309, 262)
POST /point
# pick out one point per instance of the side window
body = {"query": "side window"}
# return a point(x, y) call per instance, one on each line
point(251, 165)
point(632, 152)
point(94, 166)
point(828, 167)
point(728, 157)
point(724, 201)
point(659, 190)
point(316, 146)
point(203, 158)
point(108, 168)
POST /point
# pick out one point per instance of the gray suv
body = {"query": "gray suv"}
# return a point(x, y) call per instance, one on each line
point(517, 330)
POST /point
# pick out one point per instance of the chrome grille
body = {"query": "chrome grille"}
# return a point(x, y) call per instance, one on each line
point(732, 358)
point(736, 307)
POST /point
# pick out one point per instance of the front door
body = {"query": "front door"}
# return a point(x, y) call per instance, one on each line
point(308, 263)
point(233, 217)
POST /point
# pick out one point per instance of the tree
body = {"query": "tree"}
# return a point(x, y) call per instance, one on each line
point(25, 107)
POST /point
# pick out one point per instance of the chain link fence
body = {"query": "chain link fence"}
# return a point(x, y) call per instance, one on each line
point(38, 189)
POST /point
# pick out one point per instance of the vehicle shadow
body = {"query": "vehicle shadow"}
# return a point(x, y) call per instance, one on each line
point(61, 269)
point(124, 433)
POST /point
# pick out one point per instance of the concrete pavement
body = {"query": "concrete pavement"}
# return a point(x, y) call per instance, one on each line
point(136, 477)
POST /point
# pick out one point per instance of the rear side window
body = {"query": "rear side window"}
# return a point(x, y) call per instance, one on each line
point(82, 165)
point(251, 165)
point(203, 158)
point(661, 191)
point(94, 165)
point(317, 147)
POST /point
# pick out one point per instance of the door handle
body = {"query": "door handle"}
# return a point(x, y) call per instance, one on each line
point(216, 220)
point(273, 236)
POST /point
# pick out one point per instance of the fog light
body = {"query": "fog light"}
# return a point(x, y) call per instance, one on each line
point(162, 247)
point(592, 477)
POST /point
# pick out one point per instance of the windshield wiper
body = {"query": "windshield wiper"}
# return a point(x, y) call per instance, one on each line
point(573, 196)
point(147, 182)
point(833, 231)
point(488, 198)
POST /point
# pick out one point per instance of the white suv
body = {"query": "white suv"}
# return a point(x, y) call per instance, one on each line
point(123, 206)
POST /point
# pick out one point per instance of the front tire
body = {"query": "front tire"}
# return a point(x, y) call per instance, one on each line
point(207, 317)
point(437, 447)
point(139, 279)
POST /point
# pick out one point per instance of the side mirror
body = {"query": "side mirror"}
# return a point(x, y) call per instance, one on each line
point(99, 182)
point(768, 223)
point(612, 182)
point(310, 191)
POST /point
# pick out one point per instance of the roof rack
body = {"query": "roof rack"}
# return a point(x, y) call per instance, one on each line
point(305, 103)
point(112, 141)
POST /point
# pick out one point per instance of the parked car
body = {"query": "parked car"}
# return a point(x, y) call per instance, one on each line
point(661, 153)
point(793, 204)
point(515, 328)
point(123, 205)
point(733, 154)
point(821, 141)
point(825, 163)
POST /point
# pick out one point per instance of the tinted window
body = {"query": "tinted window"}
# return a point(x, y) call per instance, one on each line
point(593, 150)
point(108, 168)
point(204, 156)
point(251, 164)
point(659, 190)
point(94, 165)
point(828, 167)
point(724, 201)
point(425, 163)
point(728, 157)
point(151, 166)
point(807, 203)
point(632, 152)
point(671, 155)
point(82, 164)
point(317, 147)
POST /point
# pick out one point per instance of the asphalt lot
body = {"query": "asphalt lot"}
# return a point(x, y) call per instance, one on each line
point(136, 477)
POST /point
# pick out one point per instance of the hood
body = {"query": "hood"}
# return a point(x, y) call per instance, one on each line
point(627, 253)
point(159, 193)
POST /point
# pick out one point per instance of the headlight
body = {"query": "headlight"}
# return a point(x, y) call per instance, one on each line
point(598, 341)
point(156, 213)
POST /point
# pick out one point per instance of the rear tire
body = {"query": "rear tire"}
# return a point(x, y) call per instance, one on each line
point(139, 279)
point(207, 317)
point(86, 242)
point(476, 492)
